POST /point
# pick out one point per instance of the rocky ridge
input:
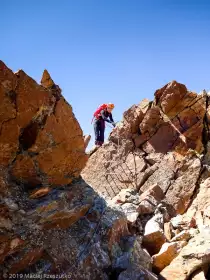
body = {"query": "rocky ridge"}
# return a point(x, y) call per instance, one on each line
point(52, 223)
point(155, 169)
point(140, 209)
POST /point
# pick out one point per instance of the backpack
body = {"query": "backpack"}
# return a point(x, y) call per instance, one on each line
point(97, 112)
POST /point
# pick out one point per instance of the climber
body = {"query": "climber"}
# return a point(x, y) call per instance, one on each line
point(100, 116)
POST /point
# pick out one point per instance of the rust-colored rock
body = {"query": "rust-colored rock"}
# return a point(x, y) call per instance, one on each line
point(24, 171)
point(108, 168)
point(181, 191)
point(168, 96)
point(163, 175)
point(9, 131)
point(153, 241)
point(40, 193)
point(46, 80)
point(191, 139)
point(135, 115)
point(192, 257)
point(167, 253)
point(154, 191)
point(181, 123)
point(7, 78)
point(119, 228)
point(151, 169)
point(61, 162)
point(66, 228)
point(27, 260)
point(169, 127)
point(150, 121)
point(140, 139)
point(37, 119)
point(8, 247)
point(150, 199)
point(30, 97)
point(163, 140)
point(129, 126)
point(3, 183)
point(64, 219)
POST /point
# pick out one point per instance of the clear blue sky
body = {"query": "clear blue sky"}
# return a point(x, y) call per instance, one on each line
point(102, 51)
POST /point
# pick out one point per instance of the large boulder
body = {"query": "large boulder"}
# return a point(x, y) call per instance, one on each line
point(154, 236)
point(167, 253)
point(41, 141)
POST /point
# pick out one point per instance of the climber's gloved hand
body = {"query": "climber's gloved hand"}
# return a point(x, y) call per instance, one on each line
point(114, 124)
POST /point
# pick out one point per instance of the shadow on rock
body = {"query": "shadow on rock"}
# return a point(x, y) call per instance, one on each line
point(69, 230)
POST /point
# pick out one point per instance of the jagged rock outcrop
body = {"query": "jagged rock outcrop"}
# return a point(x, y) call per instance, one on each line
point(143, 208)
point(51, 221)
point(172, 128)
point(163, 143)
point(41, 142)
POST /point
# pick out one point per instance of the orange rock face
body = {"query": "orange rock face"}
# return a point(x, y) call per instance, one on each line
point(40, 139)
point(167, 253)
point(24, 171)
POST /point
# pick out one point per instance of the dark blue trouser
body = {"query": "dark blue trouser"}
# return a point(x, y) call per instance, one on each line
point(99, 127)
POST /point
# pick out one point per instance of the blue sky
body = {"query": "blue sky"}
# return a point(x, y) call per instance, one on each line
point(102, 51)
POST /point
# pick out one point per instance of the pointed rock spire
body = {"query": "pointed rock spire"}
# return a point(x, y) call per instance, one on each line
point(46, 80)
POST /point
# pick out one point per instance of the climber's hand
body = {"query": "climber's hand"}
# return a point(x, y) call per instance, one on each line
point(114, 124)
